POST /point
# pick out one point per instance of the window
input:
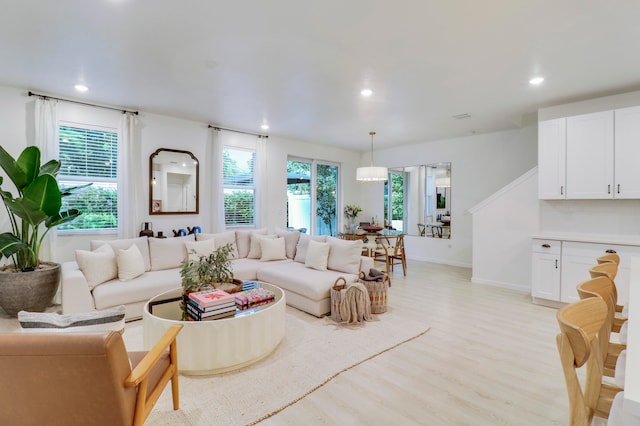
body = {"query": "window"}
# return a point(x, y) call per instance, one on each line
point(89, 155)
point(394, 200)
point(304, 198)
point(239, 186)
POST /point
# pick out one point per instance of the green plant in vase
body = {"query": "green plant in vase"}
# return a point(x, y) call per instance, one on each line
point(208, 272)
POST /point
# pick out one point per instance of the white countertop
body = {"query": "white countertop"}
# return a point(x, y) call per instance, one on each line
point(629, 240)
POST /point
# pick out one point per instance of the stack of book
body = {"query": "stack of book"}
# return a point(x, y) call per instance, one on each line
point(210, 305)
point(248, 299)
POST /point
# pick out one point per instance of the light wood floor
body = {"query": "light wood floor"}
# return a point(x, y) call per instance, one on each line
point(490, 358)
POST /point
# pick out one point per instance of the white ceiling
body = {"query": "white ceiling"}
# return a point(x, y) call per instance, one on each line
point(300, 65)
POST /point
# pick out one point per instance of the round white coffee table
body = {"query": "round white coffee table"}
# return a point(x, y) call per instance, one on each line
point(216, 346)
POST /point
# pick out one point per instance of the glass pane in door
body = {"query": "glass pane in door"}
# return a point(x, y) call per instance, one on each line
point(326, 199)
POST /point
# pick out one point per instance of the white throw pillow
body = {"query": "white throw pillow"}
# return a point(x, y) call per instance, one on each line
point(130, 263)
point(303, 243)
point(98, 266)
point(272, 249)
point(256, 251)
point(344, 255)
point(116, 245)
point(290, 241)
point(168, 253)
point(222, 239)
point(195, 249)
point(243, 240)
point(317, 255)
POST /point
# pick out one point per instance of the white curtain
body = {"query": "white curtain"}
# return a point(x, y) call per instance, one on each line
point(262, 180)
point(46, 138)
point(131, 202)
point(214, 175)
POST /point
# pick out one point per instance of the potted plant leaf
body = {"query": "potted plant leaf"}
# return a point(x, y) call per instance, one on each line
point(206, 272)
point(29, 283)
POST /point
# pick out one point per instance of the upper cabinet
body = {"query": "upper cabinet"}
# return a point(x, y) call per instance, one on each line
point(588, 156)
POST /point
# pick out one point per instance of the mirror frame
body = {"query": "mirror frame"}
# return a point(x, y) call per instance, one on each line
point(155, 154)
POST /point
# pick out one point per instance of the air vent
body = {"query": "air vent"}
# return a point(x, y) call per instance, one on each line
point(461, 116)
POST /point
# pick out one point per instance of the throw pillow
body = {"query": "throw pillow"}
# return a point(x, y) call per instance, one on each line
point(195, 249)
point(272, 249)
point(116, 245)
point(98, 266)
point(130, 263)
point(303, 243)
point(221, 239)
point(168, 253)
point(255, 252)
point(243, 240)
point(290, 240)
point(317, 255)
point(105, 320)
point(344, 255)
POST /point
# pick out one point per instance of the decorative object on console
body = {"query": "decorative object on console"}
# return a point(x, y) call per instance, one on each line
point(195, 230)
point(146, 229)
point(351, 212)
point(180, 232)
point(30, 284)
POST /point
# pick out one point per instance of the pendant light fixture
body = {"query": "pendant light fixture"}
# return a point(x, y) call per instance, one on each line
point(371, 173)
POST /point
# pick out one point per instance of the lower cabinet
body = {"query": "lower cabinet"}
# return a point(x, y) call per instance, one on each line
point(574, 259)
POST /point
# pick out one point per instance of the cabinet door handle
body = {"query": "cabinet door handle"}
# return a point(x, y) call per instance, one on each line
point(618, 188)
point(562, 190)
point(609, 189)
point(546, 246)
point(556, 263)
point(610, 251)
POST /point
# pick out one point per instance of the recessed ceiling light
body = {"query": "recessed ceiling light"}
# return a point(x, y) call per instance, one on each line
point(366, 92)
point(536, 80)
point(264, 126)
point(81, 87)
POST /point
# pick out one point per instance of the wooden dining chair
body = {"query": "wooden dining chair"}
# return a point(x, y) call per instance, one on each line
point(608, 269)
point(422, 229)
point(390, 250)
point(610, 257)
point(578, 345)
point(602, 287)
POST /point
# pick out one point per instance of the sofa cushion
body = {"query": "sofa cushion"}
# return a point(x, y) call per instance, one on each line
point(98, 265)
point(168, 253)
point(317, 255)
point(290, 239)
point(138, 290)
point(272, 249)
point(243, 240)
point(255, 252)
point(297, 278)
point(130, 263)
point(221, 239)
point(116, 245)
point(303, 244)
point(195, 249)
point(344, 255)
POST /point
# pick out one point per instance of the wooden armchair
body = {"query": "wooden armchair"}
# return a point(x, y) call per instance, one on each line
point(83, 378)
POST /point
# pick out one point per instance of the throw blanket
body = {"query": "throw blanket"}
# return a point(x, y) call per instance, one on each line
point(355, 305)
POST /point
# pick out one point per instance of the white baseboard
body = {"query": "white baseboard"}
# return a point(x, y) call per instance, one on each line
point(517, 287)
point(440, 261)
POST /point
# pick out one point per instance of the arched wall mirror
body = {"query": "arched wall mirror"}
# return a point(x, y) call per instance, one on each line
point(419, 200)
point(173, 182)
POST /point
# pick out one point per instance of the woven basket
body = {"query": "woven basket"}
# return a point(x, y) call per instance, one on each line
point(377, 293)
point(335, 298)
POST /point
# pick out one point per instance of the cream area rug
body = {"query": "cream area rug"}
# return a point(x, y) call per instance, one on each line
point(313, 352)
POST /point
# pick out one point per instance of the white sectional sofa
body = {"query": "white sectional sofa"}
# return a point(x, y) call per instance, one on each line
point(130, 271)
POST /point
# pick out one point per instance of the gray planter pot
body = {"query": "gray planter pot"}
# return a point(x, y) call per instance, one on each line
point(28, 291)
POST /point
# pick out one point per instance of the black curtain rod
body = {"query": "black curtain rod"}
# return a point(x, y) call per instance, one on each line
point(124, 111)
point(238, 131)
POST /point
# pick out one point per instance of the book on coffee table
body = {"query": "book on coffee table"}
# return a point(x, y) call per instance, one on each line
point(195, 314)
point(213, 308)
point(207, 298)
point(250, 298)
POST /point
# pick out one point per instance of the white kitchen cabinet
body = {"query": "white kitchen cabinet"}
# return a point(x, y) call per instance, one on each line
point(550, 285)
point(589, 156)
point(551, 159)
point(627, 151)
point(545, 273)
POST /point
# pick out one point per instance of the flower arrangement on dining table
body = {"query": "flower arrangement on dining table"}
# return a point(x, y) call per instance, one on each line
point(352, 211)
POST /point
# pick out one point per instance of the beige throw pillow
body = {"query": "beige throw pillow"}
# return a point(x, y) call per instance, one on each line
point(256, 250)
point(116, 245)
point(344, 255)
point(303, 243)
point(290, 241)
point(317, 255)
point(272, 249)
point(243, 240)
point(168, 253)
point(195, 249)
point(98, 266)
point(130, 263)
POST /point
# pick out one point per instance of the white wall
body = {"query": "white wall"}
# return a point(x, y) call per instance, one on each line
point(480, 165)
point(157, 131)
